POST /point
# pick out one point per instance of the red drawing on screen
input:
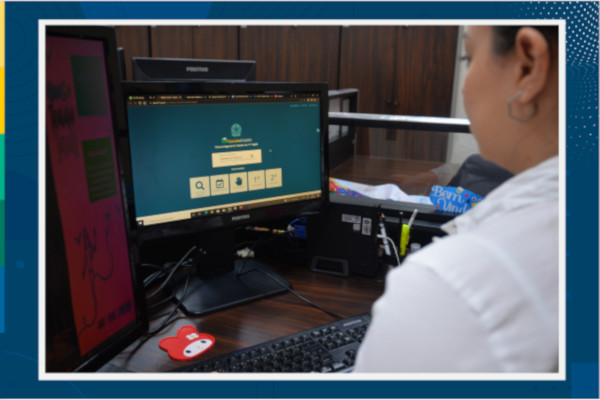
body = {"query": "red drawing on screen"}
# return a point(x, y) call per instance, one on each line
point(90, 273)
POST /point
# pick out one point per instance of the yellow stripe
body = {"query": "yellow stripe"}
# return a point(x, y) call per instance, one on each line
point(1, 34)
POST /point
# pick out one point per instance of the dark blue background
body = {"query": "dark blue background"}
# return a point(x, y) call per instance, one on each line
point(18, 345)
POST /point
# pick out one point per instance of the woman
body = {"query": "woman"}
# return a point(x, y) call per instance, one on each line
point(485, 297)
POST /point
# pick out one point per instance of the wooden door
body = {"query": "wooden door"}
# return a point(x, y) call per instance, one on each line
point(424, 83)
point(135, 43)
point(367, 60)
point(172, 41)
point(216, 42)
point(404, 70)
point(293, 53)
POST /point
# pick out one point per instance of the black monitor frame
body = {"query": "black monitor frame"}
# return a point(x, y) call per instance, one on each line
point(55, 252)
point(228, 282)
point(192, 69)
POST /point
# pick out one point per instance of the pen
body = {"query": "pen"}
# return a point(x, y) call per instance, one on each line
point(405, 232)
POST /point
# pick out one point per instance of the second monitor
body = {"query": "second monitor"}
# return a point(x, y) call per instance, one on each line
point(190, 69)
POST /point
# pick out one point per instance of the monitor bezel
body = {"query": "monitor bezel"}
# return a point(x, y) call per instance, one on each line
point(105, 351)
point(140, 71)
point(251, 216)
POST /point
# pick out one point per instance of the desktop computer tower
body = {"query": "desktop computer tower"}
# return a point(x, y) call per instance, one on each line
point(342, 240)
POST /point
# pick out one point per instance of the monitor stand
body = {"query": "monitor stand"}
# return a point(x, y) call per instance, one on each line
point(226, 282)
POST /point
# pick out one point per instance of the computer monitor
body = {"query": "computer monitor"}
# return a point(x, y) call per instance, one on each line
point(208, 157)
point(190, 69)
point(94, 303)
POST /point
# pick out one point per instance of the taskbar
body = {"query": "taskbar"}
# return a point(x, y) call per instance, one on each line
point(226, 208)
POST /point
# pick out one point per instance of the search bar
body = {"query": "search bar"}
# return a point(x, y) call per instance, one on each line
point(234, 158)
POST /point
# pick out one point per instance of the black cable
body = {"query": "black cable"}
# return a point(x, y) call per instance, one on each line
point(250, 251)
point(155, 266)
point(168, 278)
point(149, 280)
point(171, 273)
point(241, 272)
point(298, 295)
point(279, 243)
point(166, 320)
point(275, 241)
point(160, 303)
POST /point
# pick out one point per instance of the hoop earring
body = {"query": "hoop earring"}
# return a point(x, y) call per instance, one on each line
point(510, 111)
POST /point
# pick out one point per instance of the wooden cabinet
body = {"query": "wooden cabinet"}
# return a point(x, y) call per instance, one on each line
point(405, 70)
point(425, 62)
point(293, 53)
point(135, 41)
point(172, 41)
point(208, 42)
point(367, 58)
point(216, 42)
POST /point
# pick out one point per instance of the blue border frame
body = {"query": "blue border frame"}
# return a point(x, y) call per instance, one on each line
point(18, 345)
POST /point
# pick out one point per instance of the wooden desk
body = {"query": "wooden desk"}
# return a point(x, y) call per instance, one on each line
point(266, 319)
point(412, 176)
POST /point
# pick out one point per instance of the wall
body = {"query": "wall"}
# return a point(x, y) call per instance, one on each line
point(460, 145)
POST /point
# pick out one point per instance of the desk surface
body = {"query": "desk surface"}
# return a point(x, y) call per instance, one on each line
point(253, 323)
point(412, 176)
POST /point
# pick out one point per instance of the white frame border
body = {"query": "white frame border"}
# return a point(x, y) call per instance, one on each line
point(142, 376)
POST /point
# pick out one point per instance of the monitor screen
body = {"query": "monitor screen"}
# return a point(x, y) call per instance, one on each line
point(191, 69)
point(205, 157)
point(94, 305)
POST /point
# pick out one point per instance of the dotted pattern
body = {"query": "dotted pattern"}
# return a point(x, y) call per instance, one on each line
point(581, 73)
point(582, 66)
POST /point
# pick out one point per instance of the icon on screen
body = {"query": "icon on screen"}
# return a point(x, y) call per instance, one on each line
point(236, 130)
point(199, 187)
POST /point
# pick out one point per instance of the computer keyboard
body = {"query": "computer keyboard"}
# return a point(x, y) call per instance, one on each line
point(327, 348)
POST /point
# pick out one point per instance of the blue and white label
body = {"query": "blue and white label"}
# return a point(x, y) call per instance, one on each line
point(453, 199)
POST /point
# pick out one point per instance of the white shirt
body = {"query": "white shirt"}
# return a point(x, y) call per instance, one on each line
point(482, 299)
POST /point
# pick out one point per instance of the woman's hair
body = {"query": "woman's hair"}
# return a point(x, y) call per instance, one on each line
point(504, 36)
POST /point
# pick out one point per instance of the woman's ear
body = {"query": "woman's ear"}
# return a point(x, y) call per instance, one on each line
point(534, 62)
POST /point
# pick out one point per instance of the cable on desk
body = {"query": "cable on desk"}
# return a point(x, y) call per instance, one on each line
point(290, 290)
point(393, 247)
point(150, 279)
point(169, 271)
point(168, 320)
point(279, 239)
point(172, 272)
point(298, 295)
point(160, 303)
point(256, 242)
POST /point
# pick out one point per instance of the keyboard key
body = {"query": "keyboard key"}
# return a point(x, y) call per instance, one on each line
point(325, 349)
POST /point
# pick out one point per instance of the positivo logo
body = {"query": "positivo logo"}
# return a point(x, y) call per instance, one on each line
point(241, 217)
point(236, 130)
